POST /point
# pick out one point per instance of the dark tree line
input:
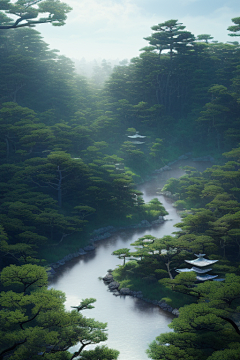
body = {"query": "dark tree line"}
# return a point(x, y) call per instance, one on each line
point(183, 87)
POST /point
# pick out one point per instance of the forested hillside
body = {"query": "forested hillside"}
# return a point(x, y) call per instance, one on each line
point(207, 117)
point(68, 166)
point(182, 88)
point(208, 329)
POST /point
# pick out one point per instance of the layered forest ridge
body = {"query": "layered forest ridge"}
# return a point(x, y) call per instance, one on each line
point(72, 154)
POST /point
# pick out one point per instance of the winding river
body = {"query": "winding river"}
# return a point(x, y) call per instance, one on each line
point(132, 323)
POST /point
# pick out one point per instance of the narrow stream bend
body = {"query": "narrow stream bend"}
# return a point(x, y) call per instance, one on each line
point(132, 323)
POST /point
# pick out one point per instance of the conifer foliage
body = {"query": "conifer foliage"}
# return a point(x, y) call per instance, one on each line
point(69, 166)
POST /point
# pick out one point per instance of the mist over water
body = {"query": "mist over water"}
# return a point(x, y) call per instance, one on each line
point(132, 323)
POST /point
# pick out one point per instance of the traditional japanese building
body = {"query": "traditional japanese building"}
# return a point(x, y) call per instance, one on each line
point(136, 136)
point(200, 266)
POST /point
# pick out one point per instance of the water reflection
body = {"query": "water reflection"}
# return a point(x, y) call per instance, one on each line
point(132, 323)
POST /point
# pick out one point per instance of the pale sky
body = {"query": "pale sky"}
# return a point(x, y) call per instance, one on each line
point(114, 29)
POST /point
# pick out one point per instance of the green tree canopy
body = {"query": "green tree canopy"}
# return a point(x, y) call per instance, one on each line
point(29, 13)
point(171, 36)
point(35, 323)
point(235, 28)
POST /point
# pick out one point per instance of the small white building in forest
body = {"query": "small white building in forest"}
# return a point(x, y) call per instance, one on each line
point(135, 137)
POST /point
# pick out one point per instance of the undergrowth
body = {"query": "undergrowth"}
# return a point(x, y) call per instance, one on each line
point(152, 289)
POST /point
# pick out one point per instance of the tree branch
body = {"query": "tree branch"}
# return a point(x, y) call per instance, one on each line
point(234, 325)
point(77, 353)
point(16, 344)
point(29, 23)
point(63, 236)
point(38, 184)
point(34, 317)
point(32, 3)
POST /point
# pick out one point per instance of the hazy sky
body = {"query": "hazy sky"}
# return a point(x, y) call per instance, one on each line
point(114, 29)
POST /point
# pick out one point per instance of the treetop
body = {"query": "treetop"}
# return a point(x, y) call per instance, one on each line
point(29, 12)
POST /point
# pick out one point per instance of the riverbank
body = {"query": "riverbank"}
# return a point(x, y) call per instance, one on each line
point(114, 287)
point(98, 235)
point(160, 175)
point(101, 234)
point(201, 163)
point(165, 172)
point(132, 322)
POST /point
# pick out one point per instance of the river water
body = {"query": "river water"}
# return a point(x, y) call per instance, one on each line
point(132, 323)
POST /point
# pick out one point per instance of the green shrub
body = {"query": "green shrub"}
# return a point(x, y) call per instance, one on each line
point(180, 204)
point(167, 300)
point(160, 274)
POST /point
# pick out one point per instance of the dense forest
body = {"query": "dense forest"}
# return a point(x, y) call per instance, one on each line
point(68, 167)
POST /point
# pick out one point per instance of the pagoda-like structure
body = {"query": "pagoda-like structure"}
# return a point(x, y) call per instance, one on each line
point(200, 266)
point(135, 137)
